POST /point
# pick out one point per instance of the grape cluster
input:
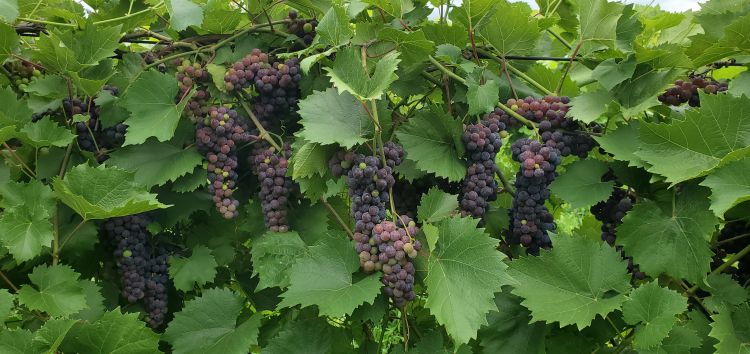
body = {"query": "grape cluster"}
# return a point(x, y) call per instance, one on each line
point(610, 212)
point(157, 284)
point(217, 137)
point(91, 136)
point(304, 29)
point(276, 84)
point(557, 130)
point(341, 162)
point(529, 217)
point(368, 183)
point(22, 73)
point(275, 186)
point(191, 74)
point(144, 273)
point(687, 91)
point(394, 154)
point(482, 142)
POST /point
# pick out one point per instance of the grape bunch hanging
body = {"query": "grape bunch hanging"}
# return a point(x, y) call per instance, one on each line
point(686, 91)
point(303, 29)
point(22, 73)
point(91, 134)
point(482, 142)
point(191, 74)
point(143, 271)
point(395, 247)
point(530, 219)
point(275, 186)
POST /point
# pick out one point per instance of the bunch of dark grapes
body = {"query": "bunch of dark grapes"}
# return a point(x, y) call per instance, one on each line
point(368, 183)
point(129, 238)
point(392, 251)
point(482, 142)
point(91, 135)
point(217, 137)
point(22, 73)
point(191, 74)
point(341, 162)
point(557, 130)
point(529, 217)
point(687, 91)
point(610, 212)
point(275, 186)
point(276, 83)
point(304, 29)
point(157, 284)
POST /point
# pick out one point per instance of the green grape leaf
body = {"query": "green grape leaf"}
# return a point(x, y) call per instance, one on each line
point(94, 302)
point(16, 341)
point(611, 73)
point(550, 79)
point(623, 144)
point(510, 331)
point(639, 93)
point(395, 8)
point(72, 51)
point(150, 100)
point(220, 18)
point(156, 163)
point(15, 111)
point(436, 205)
point(510, 29)
point(348, 74)
point(334, 118)
point(47, 133)
point(431, 139)
point(734, 42)
point(655, 309)
point(274, 254)
point(198, 269)
point(581, 184)
point(483, 98)
point(115, 332)
point(184, 13)
point(55, 291)
point(324, 278)
point(730, 185)
point(24, 234)
point(708, 138)
point(441, 33)
point(589, 106)
point(731, 329)
point(8, 36)
point(598, 23)
point(8, 11)
point(464, 271)
point(51, 335)
point(725, 292)
point(104, 192)
point(33, 197)
point(333, 29)
point(6, 304)
point(413, 46)
point(573, 283)
point(208, 324)
point(310, 335)
point(681, 232)
point(309, 158)
point(681, 339)
point(740, 85)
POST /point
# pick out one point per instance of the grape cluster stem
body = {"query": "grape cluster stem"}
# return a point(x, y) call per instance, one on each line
point(263, 133)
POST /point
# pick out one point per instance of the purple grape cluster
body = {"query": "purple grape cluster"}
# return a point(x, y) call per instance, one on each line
point(557, 130)
point(157, 285)
point(610, 212)
point(91, 136)
point(687, 91)
point(275, 186)
point(529, 217)
point(341, 162)
point(192, 74)
point(217, 137)
point(368, 183)
point(304, 29)
point(276, 83)
point(394, 154)
point(482, 142)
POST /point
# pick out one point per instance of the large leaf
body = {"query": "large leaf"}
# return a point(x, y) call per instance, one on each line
point(483, 98)
point(464, 272)
point(115, 332)
point(730, 185)
point(509, 330)
point(436, 205)
point(573, 283)
point(413, 46)
point(324, 278)
point(198, 269)
point(734, 42)
point(334, 118)
point(8, 11)
point(309, 158)
point(274, 253)
point(623, 144)
point(156, 163)
point(309, 335)
point(103, 192)
point(55, 291)
point(655, 309)
point(8, 36)
point(430, 138)
point(511, 29)
point(6, 304)
point(581, 184)
point(151, 99)
point(333, 29)
point(589, 106)
point(680, 231)
point(184, 13)
point(24, 225)
point(709, 137)
point(71, 51)
point(47, 133)
point(349, 75)
point(598, 22)
point(15, 111)
point(731, 330)
point(208, 324)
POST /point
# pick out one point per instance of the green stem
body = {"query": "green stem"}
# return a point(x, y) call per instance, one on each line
point(559, 38)
point(51, 23)
point(72, 233)
point(515, 71)
point(505, 183)
point(567, 69)
point(56, 240)
point(446, 70)
point(20, 161)
point(125, 17)
point(262, 132)
point(7, 281)
point(337, 217)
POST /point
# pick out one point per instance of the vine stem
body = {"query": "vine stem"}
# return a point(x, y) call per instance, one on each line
point(736, 257)
point(56, 241)
point(7, 281)
point(559, 38)
point(263, 133)
point(102, 22)
point(13, 153)
point(337, 217)
point(505, 183)
point(567, 69)
point(515, 71)
point(722, 242)
point(445, 70)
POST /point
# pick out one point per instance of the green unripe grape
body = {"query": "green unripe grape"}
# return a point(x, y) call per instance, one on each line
point(225, 174)
point(523, 222)
point(36, 73)
point(375, 193)
point(362, 165)
point(44, 150)
point(346, 164)
point(307, 27)
point(127, 253)
point(503, 134)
